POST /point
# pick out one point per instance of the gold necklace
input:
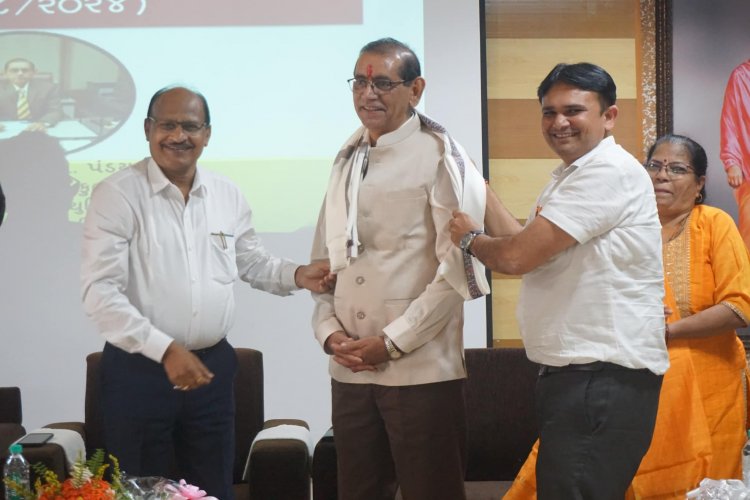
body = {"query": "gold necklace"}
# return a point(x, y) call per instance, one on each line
point(680, 227)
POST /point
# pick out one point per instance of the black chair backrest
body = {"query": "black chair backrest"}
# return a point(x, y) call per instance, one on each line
point(249, 410)
point(10, 405)
point(500, 407)
point(93, 408)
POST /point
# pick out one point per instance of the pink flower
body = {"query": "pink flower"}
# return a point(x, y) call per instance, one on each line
point(186, 491)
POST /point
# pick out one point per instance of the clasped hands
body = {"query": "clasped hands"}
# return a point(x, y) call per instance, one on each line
point(356, 354)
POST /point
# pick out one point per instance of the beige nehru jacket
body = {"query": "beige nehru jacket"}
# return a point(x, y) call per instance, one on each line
point(393, 287)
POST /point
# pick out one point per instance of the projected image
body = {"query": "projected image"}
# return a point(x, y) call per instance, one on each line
point(62, 87)
point(274, 74)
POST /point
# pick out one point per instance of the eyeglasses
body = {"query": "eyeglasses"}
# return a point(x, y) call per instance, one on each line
point(674, 169)
point(379, 85)
point(169, 126)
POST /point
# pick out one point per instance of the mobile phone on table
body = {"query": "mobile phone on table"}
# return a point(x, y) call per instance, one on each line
point(35, 439)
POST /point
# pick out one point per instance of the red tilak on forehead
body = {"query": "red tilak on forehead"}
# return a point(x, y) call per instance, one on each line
point(369, 71)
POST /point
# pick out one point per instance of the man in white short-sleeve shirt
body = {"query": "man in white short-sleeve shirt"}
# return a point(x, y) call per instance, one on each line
point(591, 302)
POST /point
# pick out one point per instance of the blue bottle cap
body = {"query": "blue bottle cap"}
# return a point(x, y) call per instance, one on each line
point(15, 448)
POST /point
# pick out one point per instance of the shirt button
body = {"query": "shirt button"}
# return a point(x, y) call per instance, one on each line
point(360, 280)
point(360, 315)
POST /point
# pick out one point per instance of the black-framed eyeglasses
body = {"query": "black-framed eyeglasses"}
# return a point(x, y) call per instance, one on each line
point(378, 85)
point(168, 126)
point(674, 169)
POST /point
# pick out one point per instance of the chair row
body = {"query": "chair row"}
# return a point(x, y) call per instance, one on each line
point(501, 430)
point(278, 468)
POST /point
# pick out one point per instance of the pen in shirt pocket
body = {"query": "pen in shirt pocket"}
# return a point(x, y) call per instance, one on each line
point(223, 238)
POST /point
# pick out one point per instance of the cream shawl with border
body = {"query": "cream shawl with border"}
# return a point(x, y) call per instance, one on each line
point(462, 271)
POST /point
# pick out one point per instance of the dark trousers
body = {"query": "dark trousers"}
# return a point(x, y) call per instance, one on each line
point(410, 436)
point(595, 425)
point(152, 428)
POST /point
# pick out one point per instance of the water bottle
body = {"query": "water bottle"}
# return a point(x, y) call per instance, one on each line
point(17, 469)
point(746, 462)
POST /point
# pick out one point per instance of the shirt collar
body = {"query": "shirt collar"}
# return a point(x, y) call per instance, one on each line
point(405, 130)
point(563, 169)
point(159, 181)
point(24, 89)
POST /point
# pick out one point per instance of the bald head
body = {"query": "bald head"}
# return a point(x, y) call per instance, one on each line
point(159, 93)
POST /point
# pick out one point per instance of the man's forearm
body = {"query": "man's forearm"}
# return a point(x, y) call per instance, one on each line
point(495, 252)
point(498, 221)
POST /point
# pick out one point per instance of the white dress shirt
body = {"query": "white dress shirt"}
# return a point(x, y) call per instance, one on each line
point(156, 268)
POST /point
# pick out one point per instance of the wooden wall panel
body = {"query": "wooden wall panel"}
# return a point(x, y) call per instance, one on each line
point(517, 66)
point(560, 19)
point(514, 129)
point(518, 182)
point(525, 39)
point(627, 130)
point(504, 300)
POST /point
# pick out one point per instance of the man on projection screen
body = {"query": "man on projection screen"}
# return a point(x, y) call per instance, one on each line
point(164, 242)
point(26, 98)
point(394, 325)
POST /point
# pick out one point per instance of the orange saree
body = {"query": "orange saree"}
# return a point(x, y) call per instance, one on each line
point(700, 426)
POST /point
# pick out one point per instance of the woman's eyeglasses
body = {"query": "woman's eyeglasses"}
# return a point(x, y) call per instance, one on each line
point(674, 169)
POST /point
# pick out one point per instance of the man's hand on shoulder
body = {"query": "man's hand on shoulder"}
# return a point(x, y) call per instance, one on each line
point(315, 276)
point(184, 370)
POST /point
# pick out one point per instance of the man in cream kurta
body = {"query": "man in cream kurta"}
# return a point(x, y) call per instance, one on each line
point(393, 326)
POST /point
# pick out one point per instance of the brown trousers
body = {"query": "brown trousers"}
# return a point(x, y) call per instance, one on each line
point(408, 436)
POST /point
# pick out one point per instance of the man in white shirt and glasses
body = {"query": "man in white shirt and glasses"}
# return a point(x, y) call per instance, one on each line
point(164, 242)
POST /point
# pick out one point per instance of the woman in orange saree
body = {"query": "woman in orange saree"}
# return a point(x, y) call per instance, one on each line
point(702, 419)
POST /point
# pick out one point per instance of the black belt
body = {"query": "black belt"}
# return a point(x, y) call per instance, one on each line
point(584, 367)
point(208, 349)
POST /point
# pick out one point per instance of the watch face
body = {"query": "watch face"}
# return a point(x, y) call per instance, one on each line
point(466, 240)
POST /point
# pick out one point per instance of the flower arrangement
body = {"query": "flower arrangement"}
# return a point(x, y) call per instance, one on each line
point(86, 482)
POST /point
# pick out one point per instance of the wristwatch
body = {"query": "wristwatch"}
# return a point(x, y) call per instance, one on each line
point(468, 239)
point(393, 351)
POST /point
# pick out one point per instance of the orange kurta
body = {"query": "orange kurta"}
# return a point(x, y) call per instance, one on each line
point(700, 426)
